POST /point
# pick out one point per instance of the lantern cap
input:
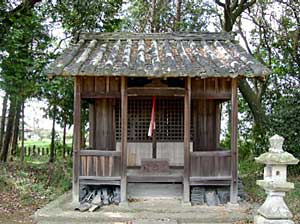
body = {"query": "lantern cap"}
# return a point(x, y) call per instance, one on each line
point(276, 155)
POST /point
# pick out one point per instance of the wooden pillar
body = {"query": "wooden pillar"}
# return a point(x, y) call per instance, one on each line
point(124, 105)
point(187, 128)
point(154, 145)
point(77, 137)
point(234, 152)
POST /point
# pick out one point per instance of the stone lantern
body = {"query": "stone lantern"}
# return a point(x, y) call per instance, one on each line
point(274, 210)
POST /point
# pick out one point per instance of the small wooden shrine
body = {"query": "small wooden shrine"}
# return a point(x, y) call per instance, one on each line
point(186, 77)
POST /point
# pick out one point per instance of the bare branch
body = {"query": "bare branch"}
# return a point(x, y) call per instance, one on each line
point(241, 8)
point(243, 36)
point(219, 3)
point(234, 5)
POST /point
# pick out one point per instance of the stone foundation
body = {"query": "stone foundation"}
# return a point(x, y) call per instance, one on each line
point(213, 196)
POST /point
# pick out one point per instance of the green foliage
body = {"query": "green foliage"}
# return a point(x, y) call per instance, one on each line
point(195, 16)
point(59, 95)
point(275, 42)
point(87, 15)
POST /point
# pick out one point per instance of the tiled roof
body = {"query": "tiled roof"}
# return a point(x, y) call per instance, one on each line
point(157, 55)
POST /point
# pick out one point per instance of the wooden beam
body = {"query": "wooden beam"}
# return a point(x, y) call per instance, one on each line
point(187, 128)
point(234, 153)
point(99, 153)
point(211, 183)
point(210, 178)
point(211, 96)
point(155, 179)
point(124, 105)
point(156, 91)
point(97, 182)
point(100, 95)
point(211, 153)
point(77, 137)
point(90, 180)
point(97, 178)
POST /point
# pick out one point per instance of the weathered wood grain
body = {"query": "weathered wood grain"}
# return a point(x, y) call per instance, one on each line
point(77, 138)
point(124, 109)
point(187, 129)
point(234, 149)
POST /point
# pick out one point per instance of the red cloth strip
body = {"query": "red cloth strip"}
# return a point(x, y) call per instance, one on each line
point(152, 121)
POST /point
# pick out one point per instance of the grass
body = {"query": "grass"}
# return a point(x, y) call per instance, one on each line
point(26, 187)
point(36, 182)
point(43, 143)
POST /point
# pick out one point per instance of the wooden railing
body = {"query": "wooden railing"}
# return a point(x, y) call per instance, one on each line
point(99, 163)
point(210, 166)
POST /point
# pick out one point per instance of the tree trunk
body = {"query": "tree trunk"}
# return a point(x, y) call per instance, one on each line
point(16, 130)
point(23, 129)
point(152, 19)
point(232, 10)
point(64, 139)
point(52, 146)
point(178, 14)
point(228, 23)
point(9, 130)
point(3, 119)
point(72, 148)
point(254, 104)
point(261, 120)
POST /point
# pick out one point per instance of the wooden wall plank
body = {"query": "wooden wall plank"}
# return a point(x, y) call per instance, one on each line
point(211, 88)
point(205, 119)
point(105, 136)
point(88, 85)
point(207, 164)
point(114, 84)
point(100, 86)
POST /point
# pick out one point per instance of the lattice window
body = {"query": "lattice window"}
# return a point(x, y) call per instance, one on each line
point(169, 120)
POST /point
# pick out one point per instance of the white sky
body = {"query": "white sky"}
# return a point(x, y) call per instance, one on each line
point(34, 114)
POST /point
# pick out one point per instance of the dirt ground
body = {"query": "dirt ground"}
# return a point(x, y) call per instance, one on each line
point(12, 211)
